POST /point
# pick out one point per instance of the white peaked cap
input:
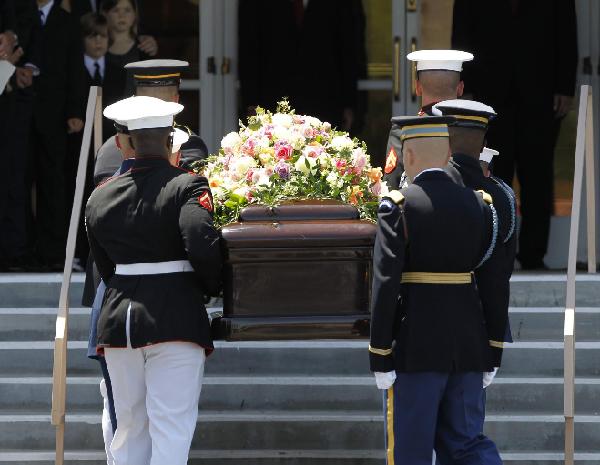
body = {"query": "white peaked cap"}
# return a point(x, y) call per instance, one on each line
point(441, 60)
point(157, 64)
point(179, 138)
point(141, 112)
point(471, 106)
point(486, 155)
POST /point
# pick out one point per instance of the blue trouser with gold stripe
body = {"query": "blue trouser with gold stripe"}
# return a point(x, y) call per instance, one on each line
point(436, 411)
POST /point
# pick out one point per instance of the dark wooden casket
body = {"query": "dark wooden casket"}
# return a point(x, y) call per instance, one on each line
point(298, 271)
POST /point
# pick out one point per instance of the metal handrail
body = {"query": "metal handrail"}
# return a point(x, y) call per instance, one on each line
point(93, 121)
point(584, 155)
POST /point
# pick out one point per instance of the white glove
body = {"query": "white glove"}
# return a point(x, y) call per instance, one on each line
point(488, 377)
point(385, 380)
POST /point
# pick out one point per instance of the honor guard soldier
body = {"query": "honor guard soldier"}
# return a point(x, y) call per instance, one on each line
point(152, 237)
point(160, 79)
point(428, 346)
point(438, 78)
point(467, 139)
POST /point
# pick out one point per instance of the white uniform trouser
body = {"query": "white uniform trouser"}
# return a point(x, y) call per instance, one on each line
point(156, 390)
point(107, 431)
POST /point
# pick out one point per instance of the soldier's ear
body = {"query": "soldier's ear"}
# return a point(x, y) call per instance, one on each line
point(460, 89)
point(419, 88)
point(118, 141)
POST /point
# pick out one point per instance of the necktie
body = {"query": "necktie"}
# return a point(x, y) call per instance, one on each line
point(298, 6)
point(42, 18)
point(97, 79)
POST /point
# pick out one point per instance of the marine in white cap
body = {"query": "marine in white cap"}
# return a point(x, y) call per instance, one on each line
point(152, 237)
point(438, 78)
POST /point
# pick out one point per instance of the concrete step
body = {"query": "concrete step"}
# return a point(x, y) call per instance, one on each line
point(315, 430)
point(38, 324)
point(288, 358)
point(528, 323)
point(527, 290)
point(549, 290)
point(282, 457)
point(547, 323)
point(38, 289)
point(348, 394)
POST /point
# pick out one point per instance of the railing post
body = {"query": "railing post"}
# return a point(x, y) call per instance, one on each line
point(59, 376)
point(569, 326)
point(590, 181)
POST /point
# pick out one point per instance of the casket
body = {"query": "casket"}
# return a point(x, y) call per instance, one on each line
point(301, 270)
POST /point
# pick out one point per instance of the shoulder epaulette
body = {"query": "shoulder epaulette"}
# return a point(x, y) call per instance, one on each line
point(396, 197)
point(487, 198)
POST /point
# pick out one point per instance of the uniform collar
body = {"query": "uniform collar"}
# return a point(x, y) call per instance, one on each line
point(427, 109)
point(149, 162)
point(467, 161)
point(431, 174)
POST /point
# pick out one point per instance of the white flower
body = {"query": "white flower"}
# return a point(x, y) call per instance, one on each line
point(301, 165)
point(231, 142)
point(332, 178)
point(359, 158)
point(281, 119)
point(264, 180)
point(341, 142)
point(281, 133)
point(242, 164)
point(312, 121)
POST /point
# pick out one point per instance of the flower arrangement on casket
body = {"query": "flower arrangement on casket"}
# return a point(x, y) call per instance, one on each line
point(283, 156)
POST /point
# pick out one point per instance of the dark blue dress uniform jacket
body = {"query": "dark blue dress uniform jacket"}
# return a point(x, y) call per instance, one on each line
point(440, 227)
point(493, 277)
point(153, 213)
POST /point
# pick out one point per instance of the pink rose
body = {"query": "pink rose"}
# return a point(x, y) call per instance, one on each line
point(309, 132)
point(283, 150)
point(341, 166)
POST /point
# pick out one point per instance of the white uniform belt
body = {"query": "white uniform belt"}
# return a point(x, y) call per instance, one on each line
point(175, 266)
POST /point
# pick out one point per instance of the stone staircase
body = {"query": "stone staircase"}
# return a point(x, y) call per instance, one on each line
point(295, 403)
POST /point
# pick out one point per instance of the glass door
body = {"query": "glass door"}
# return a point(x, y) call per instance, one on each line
point(387, 88)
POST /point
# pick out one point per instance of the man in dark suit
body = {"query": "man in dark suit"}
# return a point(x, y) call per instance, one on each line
point(58, 109)
point(526, 59)
point(428, 348)
point(17, 103)
point(278, 43)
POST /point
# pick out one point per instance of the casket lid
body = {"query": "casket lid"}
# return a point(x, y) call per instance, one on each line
point(307, 223)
